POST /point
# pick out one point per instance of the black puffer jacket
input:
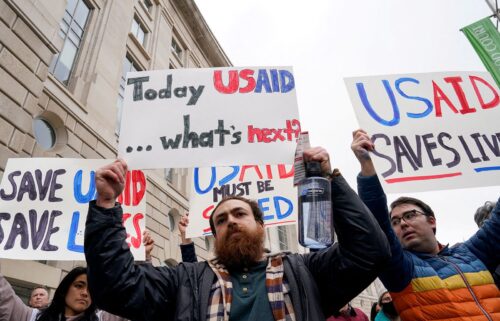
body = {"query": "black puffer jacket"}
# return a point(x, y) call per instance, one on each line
point(320, 283)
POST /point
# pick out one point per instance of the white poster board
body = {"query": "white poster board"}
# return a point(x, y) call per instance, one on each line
point(432, 131)
point(180, 118)
point(44, 205)
point(270, 185)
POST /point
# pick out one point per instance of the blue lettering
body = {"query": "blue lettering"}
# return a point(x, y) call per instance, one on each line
point(264, 208)
point(72, 246)
point(275, 80)
point(263, 80)
point(362, 94)
point(285, 76)
point(77, 188)
point(197, 181)
point(424, 100)
point(277, 206)
point(230, 176)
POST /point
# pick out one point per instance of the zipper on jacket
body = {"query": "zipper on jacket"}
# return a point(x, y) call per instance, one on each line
point(457, 268)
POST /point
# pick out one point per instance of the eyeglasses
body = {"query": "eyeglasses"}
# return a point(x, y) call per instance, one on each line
point(408, 216)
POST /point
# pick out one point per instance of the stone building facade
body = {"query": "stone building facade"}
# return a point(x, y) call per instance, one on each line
point(62, 73)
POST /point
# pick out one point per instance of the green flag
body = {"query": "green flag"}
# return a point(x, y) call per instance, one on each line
point(485, 39)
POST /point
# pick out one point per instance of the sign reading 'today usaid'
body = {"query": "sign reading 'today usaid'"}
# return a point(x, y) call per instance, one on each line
point(209, 117)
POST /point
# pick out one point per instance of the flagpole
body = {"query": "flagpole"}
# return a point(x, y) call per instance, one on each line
point(492, 7)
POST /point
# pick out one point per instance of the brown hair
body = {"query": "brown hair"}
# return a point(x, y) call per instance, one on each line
point(414, 201)
point(257, 213)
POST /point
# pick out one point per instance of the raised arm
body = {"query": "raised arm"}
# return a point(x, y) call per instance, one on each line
point(485, 244)
point(11, 306)
point(349, 266)
point(117, 285)
point(399, 271)
point(187, 246)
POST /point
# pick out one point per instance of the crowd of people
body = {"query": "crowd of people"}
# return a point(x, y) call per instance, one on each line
point(425, 279)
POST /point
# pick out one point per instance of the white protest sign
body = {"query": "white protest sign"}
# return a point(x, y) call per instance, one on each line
point(44, 205)
point(270, 185)
point(431, 131)
point(181, 118)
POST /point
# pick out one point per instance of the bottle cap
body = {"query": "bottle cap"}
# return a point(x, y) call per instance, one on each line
point(313, 169)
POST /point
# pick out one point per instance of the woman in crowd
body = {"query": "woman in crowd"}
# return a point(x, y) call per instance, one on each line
point(71, 302)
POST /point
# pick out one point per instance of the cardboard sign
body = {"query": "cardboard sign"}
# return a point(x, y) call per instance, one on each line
point(432, 131)
point(44, 205)
point(180, 118)
point(270, 185)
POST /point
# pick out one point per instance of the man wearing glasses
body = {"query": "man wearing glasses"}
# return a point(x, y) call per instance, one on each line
point(427, 280)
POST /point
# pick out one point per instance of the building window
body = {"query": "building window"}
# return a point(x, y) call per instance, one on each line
point(176, 49)
point(45, 134)
point(283, 238)
point(71, 29)
point(169, 175)
point(138, 31)
point(148, 5)
point(128, 65)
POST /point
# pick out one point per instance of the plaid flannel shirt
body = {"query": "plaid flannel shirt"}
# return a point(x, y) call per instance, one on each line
point(221, 293)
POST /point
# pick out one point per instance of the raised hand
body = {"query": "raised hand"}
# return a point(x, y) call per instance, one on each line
point(319, 154)
point(362, 146)
point(110, 181)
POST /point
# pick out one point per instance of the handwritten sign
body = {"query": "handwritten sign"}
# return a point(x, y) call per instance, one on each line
point(270, 185)
point(44, 205)
point(181, 118)
point(431, 131)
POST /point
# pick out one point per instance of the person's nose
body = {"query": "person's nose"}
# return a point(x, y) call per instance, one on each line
point(85, 292)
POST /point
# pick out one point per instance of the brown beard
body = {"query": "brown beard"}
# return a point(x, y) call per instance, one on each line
point(241, 250)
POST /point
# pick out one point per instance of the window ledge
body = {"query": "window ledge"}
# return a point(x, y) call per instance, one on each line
point(139, 46)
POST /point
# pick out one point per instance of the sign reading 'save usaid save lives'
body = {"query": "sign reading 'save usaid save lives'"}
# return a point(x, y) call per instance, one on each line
point(209, 117)
point(44, 205)
point(431, 131)
point(271, 186)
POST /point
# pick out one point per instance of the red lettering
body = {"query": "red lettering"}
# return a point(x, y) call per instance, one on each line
point(268, 135)
point(232, 85)
point(244, 169)
point(252, 132)
point(246, 74)
point(138, 186)
point(484, 105)
point(135, 181)
point(207, 211)
point(283, 173)
point(455, 83)
point(438, 96)
point(137, 240)
point(269, 172)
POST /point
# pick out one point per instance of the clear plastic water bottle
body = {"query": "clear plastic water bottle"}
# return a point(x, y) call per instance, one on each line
point(315, 209)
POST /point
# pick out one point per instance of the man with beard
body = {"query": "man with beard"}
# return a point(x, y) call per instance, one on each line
point(427, 280)
point(242, 282)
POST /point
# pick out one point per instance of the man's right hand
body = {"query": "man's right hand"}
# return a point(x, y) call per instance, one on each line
point(183, 223)
point(109, 181)
point(362, 146)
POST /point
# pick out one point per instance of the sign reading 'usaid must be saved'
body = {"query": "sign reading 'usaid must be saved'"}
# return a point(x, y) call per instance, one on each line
point(209, 117)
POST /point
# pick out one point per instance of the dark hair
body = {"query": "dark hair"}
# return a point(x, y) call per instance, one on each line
point(373, 311)
point(484, 212)
point(57, 306)
point(414, 201)
point(380, 297)
point(257, 213)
